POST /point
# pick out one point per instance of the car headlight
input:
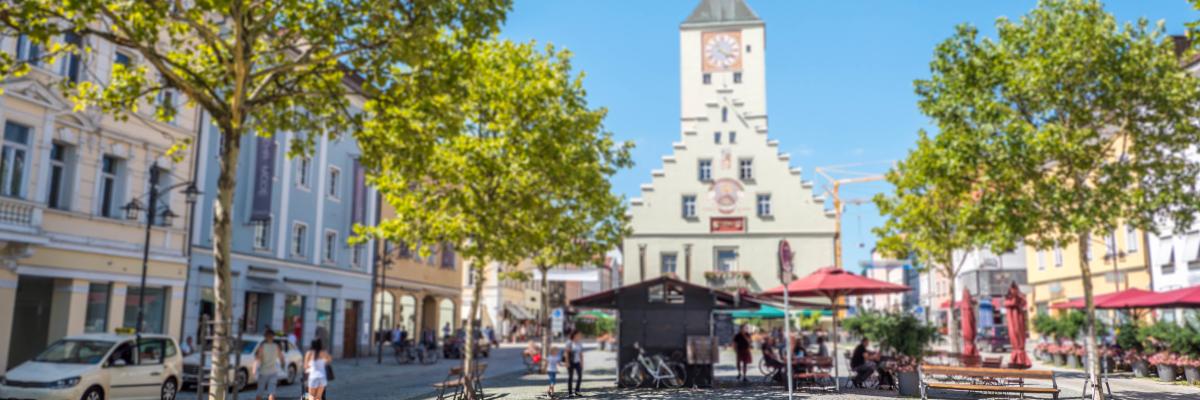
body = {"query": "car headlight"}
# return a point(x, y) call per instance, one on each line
point(65, 383)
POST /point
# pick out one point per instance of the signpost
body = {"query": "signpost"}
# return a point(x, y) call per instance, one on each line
point(785, 276)
point(556, 321)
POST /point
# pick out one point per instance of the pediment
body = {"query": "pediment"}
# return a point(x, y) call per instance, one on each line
point(35, 92)
point(80, 121)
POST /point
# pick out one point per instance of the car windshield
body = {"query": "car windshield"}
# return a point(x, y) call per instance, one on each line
point(68, 351)
point(248, 346)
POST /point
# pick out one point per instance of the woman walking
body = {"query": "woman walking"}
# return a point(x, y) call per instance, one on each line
point(315, 362)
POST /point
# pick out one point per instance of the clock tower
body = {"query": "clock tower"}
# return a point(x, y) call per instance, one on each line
point(725, 197)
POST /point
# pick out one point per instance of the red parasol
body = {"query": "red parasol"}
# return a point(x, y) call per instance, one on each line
point(1014, 301)
point(1108, 301)
point(966, 306)
point(832, 283)
point(1188, 297)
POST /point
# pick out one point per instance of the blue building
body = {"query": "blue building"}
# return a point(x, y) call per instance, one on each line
point(293, 270)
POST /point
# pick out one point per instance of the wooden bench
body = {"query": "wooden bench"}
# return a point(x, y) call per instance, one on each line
point(454, 382)
point(978, 379)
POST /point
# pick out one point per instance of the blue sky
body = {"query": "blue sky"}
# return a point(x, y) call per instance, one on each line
point(839, 75)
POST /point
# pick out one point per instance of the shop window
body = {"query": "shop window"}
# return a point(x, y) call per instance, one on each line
point(96, 316)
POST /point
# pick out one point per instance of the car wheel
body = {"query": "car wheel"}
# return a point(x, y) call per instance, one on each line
point(239, 381)
point(93, 394)
point(291, 375)
point(169, 389)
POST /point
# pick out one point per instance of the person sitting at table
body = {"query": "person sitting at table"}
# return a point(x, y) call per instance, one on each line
point(822, 351)
point(770, 354)
point(863, 362)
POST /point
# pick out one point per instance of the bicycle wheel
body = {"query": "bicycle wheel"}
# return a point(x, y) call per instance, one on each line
point(762, 367)
point(678, 375)
point(632, 375)
point(429, 357)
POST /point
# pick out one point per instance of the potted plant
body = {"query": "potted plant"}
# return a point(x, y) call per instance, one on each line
point(1137, 363)
point(1191, 368)
point(1043, 353)
point(1130, 346)
point(908, 337)
point(1060, 353)
point(1165, 362)
point(1074, 353)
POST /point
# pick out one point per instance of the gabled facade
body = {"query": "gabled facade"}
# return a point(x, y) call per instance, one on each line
point(725, 196)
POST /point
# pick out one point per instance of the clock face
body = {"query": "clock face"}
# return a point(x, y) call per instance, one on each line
point(722, 51)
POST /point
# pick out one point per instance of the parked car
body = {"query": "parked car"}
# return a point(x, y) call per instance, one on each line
point(99, 366)
point(195, 369)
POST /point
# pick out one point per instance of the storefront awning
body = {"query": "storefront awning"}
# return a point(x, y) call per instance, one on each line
point(517, 312)
point(262, 285)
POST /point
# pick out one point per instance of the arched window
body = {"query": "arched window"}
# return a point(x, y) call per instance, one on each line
point(385, 308)
point(408, 313)
point(445, 313)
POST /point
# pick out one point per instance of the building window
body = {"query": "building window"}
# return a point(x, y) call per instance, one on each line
point(689, 206)
point(96, 316)
point(746, 169)
point(707, 78)
point(356, 255)
point(13, 159)
point(727, 260)
point(1041, 260)
point(737, 77)
point(764, 205)
point(724, 114)
point(303, 168)
point(163, 179)
point(299, 235)
point(447, 256)
point(717, 137)
point(330, 254)
point(325, 324)
point(668, 263)
point(705, 170)
point(28, 51)
point(123, 59)
point(262, 234)
point(732, 137)
point(1131, 239)
point(1110, 245)
point(60, 173)
point(334, 179)
point(73, 60)
point(110, 181)
point(1058, 258)
point(153, 312)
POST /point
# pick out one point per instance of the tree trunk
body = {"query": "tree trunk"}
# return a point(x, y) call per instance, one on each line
point(952, 327)
point(545, 315)
point(221, 237)
point(1093, 363)
point(469, 341)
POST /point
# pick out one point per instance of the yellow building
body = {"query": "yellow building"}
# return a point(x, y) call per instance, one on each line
point(510, 307)
point(422, 294)
point(1055, 274)
point(70, 261)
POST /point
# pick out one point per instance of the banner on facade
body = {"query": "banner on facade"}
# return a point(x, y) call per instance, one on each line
point(264, 176)
point(359, 206)
point(727, 224)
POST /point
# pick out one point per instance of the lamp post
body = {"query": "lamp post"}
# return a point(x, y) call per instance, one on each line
point(133, 211)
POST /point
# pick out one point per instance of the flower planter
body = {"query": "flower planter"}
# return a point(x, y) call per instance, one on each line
point(1166, 373)
point(1060, 359)
point(1047, 358)
point(910, 384)
point(1073, 361)
point(1192, 374)
point(1140, 368)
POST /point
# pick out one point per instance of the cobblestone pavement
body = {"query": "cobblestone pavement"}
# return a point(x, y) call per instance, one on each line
point(362, 379)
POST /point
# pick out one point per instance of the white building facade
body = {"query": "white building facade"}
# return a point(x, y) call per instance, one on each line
point(715, 212)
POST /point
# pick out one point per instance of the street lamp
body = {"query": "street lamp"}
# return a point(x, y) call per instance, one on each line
point(133, 211)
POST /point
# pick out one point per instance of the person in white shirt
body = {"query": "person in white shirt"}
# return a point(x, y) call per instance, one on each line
point(267, 359)
point(552, 360)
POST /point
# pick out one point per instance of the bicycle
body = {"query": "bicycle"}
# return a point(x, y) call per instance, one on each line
point(671, 374)
point(410, 353)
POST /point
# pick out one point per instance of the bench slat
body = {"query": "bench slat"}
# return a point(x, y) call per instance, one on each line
point(991, 388)
point(986, 372)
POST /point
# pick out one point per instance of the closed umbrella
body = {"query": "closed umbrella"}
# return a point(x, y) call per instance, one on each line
point(968, 325)
point(833, 283)
point(1018, 324)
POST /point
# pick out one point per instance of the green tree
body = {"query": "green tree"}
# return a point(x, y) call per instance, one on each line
point(494, 178)
point(1075, 125)
point(934, 211)
point(254, 67)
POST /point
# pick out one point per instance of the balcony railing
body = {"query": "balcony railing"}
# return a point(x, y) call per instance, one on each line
point(20, 216)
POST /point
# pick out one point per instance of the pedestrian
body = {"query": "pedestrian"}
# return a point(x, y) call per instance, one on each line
point(446, 330)
point(315, 362)
point(574, 364)
point(741, 344)
point(187, 347)
point(267, 361)
point(552, 360)
point(297, 331)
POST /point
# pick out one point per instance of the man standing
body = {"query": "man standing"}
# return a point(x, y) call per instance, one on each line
point(267, 360)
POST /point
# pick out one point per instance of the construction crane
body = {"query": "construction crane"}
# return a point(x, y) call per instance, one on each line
point(839, 175)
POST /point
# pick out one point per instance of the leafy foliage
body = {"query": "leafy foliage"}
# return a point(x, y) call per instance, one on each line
point(1127, 336)
point(901, 332)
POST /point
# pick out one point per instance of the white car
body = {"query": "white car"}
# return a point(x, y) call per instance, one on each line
point(244, 375)
point(99, 366)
